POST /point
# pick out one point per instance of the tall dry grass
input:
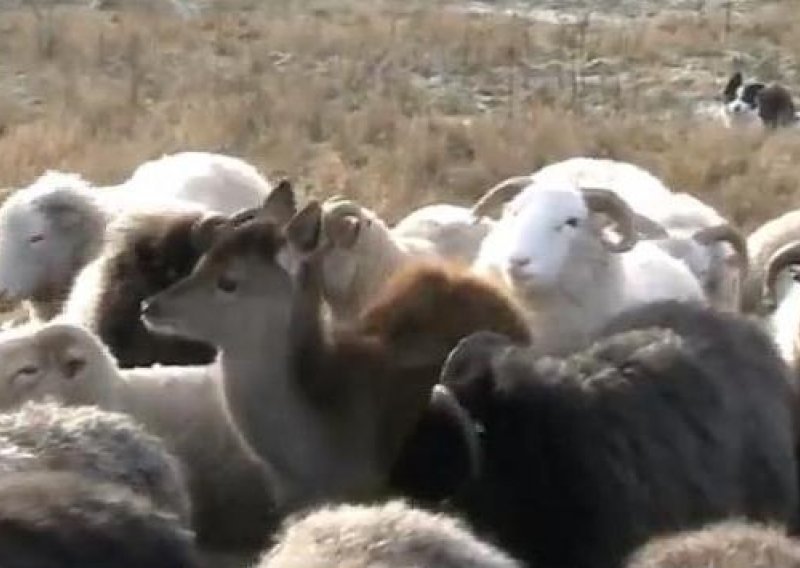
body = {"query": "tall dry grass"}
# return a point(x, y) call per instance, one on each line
point(397, 104)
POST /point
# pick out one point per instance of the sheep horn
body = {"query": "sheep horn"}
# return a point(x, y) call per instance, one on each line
point(726, 233)
point(502, 192)
point(648, 228)
point(606, 201)
point(785, 256)
point(334, 218)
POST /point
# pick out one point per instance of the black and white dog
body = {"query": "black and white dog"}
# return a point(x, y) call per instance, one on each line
point(748, 102)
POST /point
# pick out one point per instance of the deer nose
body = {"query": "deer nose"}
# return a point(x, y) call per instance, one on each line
point(149, 308)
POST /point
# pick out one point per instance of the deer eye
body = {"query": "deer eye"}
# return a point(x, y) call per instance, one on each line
point(227, 284)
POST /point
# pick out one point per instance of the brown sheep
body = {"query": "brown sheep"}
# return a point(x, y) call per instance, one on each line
point(63, 520)
point(145, 253)
point(347, 396)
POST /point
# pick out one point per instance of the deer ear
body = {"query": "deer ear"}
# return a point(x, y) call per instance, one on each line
point(280, 206)
point(205, 230)
point(304, 230)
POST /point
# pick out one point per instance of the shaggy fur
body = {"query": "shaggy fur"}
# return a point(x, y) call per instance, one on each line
point(652, 430)
point(63, 520)
point(452, 230)
point(732, 544)
point(145, 253)
point(350, 395)
point(391, 535)
point(231, 502)
point(103, 446)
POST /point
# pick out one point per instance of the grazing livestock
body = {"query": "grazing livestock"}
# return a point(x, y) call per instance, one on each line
point(730, 544)
point(232, 506)
point(348, 395)
point(679, 223)
point(652, 430)
point(103, 446)
point(389, 535)
point(549, 247)
point(453, 231)
point(52, 228)
point(144, 254)
point(360, 255)
point(52, 519)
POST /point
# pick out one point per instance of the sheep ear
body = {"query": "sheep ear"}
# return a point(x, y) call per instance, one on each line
point(280, 206)
point(734, 83)
point(205, 230)
point(304, 230)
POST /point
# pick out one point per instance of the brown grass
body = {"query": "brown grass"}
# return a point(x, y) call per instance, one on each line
point(382, 100)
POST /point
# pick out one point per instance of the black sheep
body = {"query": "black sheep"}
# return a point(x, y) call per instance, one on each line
point(583, 459)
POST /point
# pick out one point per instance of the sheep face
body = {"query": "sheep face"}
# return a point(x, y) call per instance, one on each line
point(534, 239)
point(40, 237)
point(62, 362)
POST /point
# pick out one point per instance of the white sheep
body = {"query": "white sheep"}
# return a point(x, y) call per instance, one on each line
point(389, 535)
point(452, 230)
point(232, 502)
point(550, 248)
point(52, 228)
point(685, 227)
point(362, 254)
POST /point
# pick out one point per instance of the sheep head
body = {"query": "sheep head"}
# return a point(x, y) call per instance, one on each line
point(47, 232)
point(550, 226)
point(351, 240)
point(57, 361)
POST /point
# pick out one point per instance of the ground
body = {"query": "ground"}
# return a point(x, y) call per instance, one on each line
point(400, 102)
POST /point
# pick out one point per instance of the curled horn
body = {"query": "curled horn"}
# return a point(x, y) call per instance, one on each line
point(648, 228)
point(606, 201)
point(500, 193)
point(785, 256)
point(729, 234)
point(336, 210)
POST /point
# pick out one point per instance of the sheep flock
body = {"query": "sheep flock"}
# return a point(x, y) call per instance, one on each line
point(585, 368)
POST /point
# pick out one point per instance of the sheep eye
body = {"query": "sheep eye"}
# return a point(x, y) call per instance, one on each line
point(36, 238)
point(28, 370)
point(572, 222)
point(227, 284)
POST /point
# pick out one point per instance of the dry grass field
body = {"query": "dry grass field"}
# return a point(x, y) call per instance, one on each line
point(398, 102)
